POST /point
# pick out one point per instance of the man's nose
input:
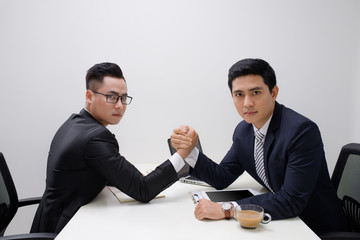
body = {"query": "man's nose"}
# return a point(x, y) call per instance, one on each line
point(119, 104)
point(248, 102)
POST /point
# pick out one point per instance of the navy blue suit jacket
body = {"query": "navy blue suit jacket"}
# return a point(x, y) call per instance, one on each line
point(295, 166)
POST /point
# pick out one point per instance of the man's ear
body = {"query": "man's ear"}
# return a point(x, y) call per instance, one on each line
point(89, 96)
point(274, 92)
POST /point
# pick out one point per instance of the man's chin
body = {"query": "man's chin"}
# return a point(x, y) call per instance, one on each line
point(115, 122)
point(248, 120)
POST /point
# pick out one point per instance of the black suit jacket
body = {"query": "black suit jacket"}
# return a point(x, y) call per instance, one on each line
point(295, 166)
point(83, 158)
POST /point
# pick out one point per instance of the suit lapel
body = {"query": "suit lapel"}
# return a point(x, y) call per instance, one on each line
point(270, 137)
point(274, 125)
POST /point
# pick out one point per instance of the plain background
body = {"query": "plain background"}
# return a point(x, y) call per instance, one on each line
point(175, 56)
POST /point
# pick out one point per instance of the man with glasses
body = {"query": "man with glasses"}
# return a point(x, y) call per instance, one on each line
point(84, 155)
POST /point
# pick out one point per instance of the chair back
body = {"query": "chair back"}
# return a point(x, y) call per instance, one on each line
point(352, 212)
point(8, 196)
point(346, 178)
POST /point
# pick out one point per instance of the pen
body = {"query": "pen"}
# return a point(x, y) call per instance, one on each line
point(196, 198)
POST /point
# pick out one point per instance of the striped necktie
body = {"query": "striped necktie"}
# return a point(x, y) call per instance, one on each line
point(259, 158)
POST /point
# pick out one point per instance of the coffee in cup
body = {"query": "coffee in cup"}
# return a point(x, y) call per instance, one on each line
point(250, 215)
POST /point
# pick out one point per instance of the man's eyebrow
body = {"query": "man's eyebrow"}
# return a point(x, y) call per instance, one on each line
point(256, 88)
point(116, 93)
point(238, 91)
point(250, 90)
point(113, 92)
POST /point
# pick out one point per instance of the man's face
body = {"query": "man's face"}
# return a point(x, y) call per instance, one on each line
point(104, 112)
point(253, 99)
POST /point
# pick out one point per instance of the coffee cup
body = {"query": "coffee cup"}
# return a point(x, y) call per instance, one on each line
point(250, 215)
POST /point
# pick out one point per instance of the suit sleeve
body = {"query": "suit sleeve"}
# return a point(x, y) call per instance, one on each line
point(221, 175)
point(103, 156)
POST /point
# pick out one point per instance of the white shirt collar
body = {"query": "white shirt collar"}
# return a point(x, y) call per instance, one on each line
point(264, 128)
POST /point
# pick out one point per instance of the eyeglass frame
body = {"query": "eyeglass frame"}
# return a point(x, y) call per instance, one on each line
point(122, 97)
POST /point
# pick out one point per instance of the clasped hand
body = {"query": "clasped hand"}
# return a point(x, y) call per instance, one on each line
point(184, 139)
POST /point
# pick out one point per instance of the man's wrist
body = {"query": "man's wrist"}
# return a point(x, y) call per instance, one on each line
point(183, 153)
point(177, 162)
point(227, 208)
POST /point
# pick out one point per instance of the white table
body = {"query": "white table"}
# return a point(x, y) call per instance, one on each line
point(171, 217)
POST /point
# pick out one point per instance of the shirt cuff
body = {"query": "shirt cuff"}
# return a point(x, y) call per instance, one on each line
point(177, 161)
point(234, 205)
point(192, 158)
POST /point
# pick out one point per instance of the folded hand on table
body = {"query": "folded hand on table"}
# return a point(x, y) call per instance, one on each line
point(206, 209)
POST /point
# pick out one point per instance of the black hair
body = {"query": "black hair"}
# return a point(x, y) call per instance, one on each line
point(97, 73)
point(251, 66)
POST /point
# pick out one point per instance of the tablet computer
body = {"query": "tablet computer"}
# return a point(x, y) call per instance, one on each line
point(228, 195)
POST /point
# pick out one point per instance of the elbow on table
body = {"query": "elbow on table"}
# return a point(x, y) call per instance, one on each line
point(144, 200)
point(220, 185)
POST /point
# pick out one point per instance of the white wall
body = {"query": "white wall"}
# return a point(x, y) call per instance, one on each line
point(356, 110)
point(175, 56)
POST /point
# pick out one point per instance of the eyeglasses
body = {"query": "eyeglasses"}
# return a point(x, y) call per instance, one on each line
point(113, 98)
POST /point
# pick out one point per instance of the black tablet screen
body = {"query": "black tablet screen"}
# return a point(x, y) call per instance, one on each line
point(228, 196)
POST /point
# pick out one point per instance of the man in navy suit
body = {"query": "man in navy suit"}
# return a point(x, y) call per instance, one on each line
point(289, 160)
point(84, 155)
